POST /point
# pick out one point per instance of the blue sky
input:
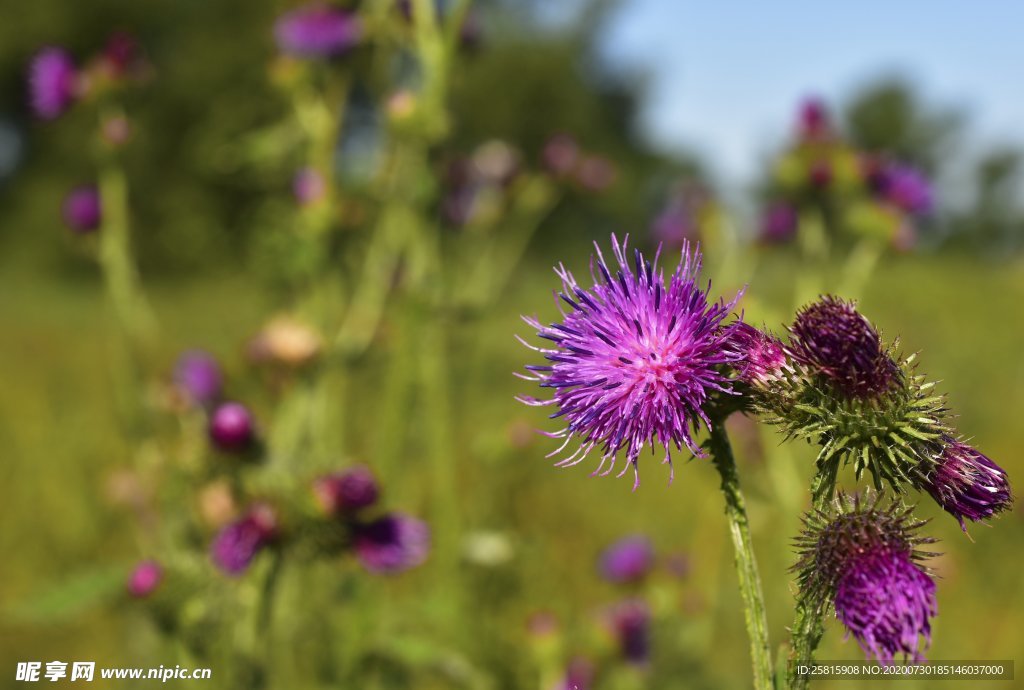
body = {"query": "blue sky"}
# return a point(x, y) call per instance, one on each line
point(727, 75)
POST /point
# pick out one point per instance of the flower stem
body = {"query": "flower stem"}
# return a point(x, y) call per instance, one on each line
point(807, 632)
point(746, 565)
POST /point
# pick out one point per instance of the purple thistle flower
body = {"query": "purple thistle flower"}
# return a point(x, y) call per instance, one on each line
point(864, 559)
point(52, 80)
point(967, 484)
point(813, 119)
point(627, 560)
point(82, 209)
point(144, 579)
point(198, 374)
point(763, 356)
point(779, 223)
point(634, 362)
point(832, 337)
point(630, 622)
point(317, 31)
point(237, 544)
point(308, 186)
point(231, 427)
point(347, 491)
point(392, 544)
point(886, 600)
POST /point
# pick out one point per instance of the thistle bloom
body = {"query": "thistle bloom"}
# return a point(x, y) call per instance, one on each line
point(231, 427)
point(237, 544)
point(634, 361)
point(863, 559)
point(627, 560)
point(630, 622)
point(317, 31)
point(813, 119)
point(967, 484)
point(52, 81)
point(198, 374)
point(82, 210)
point(832, 337)
point(392, 544)
point(346, 492)
point(144, 579)
point(763, 356)
point(907, 188)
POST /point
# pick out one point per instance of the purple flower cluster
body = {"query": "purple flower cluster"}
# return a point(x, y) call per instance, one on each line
point(630, 622)
point(902, 185)
point(317, 31)
point(82, 210)
point(53, 80)
point(635, 360)
point(627, 560)
point(833, 338)
point(967, 484)
point(234, 548)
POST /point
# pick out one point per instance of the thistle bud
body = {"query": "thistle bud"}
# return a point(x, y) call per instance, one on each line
point(967, 484)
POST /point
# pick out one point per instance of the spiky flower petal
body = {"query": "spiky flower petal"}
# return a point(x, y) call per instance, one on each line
point(763, 356)
point(635, 360)
point(863, 559)
point(967, 484)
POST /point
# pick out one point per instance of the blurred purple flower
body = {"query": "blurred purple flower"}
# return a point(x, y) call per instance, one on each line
point(634, 361)
point(52, 79)
point(675, 224)
point(579, 675)
point(630, 622)
point(121, 54)
point(237, 544)
point(561, 154)
point(231, 427)
point(392, 544)
point(967, 484)
point(596, 173)
point(144, 579)
point(82, 209)
point(813, 120)
point(347, 491)
point(308, 186)
point(198, 374)
point(779, 223)
point(908, 189)
point(317, 31)
point(627, 560)
point(820, 175)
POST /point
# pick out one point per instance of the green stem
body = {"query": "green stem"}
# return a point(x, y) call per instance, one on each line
point(746, 565)
point(807, 631)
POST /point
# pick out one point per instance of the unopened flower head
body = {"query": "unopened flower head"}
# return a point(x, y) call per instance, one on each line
point(232, 427)
point(317, 31)
point(346, 492)
point(82, 209)
point(144, 579)
point(392, 544)
point(53, 83)
point(763, 356)
point(967, 484)
point(199, 376)
point(627, 560)
point(863, 559)
point(833, 338)
point(237, 544)
point(635, 359)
